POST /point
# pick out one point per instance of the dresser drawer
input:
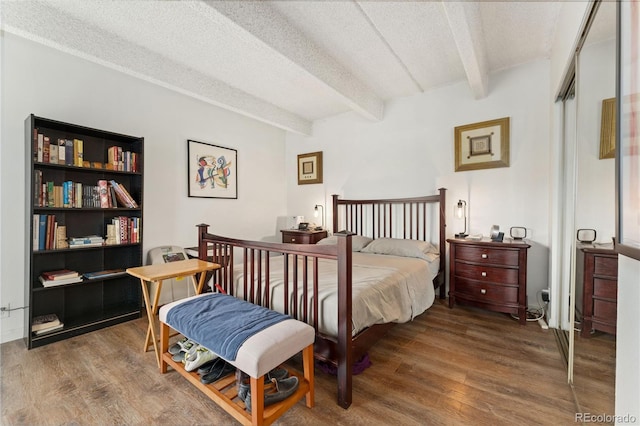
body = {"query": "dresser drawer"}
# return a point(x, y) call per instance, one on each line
point(485, 292)
point(296, 238)
point(487, 273)
point(605, 311)
point(605, 288)
point(607, 266)
point(487, 255)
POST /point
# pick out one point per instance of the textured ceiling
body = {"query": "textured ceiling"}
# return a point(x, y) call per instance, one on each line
point(289, 63)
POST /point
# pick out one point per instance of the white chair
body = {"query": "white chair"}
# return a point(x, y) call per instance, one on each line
point(173, 289)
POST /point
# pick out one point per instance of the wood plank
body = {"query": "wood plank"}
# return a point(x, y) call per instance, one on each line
point(449, 366)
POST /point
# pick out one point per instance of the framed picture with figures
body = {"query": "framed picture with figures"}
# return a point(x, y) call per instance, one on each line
point(213, 170)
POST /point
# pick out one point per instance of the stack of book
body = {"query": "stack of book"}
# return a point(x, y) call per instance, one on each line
point(59, 277)
point(88, 241)
point(45, 324)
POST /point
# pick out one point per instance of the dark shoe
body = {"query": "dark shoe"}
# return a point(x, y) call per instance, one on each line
point(220, 369)
point(244, 382)
point(206, 367)
point(281, 390)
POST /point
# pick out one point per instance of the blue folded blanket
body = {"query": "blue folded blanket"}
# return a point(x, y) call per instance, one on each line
point(221, 323)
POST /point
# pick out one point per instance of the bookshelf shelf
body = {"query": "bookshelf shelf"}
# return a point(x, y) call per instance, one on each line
point(90, 304)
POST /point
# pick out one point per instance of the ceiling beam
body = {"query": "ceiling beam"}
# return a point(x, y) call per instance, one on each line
point(466, 27)
point(46, 25)
point(273, 30)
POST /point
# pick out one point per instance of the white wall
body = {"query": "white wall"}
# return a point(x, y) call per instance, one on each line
point(37, 79)
point(411, 153)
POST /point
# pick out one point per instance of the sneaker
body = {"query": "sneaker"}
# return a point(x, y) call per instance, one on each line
point(199, 357)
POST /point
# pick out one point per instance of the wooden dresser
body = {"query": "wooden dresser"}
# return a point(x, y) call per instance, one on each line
point(489, 275)
point(597, 280)
point(295, 236)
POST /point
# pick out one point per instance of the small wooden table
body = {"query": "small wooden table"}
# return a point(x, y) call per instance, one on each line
point(164, 271)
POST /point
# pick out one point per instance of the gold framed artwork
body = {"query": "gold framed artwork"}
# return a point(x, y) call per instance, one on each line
point(310, 168)
point(608, 129)
point(483, 145)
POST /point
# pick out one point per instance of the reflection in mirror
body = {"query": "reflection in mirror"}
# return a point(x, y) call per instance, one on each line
point(596, 262)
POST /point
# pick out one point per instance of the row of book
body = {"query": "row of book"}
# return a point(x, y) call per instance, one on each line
point(70, 152)
point(123, 230)
point(105, 194)
point(125, 161)
point(67, 276)
point(49, 235)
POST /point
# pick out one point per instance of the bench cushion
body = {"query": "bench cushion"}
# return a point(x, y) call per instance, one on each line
point(265, 349)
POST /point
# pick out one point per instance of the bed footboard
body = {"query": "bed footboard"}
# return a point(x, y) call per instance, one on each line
point(300, 272)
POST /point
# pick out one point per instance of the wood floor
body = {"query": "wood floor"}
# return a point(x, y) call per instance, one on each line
point(447, 367)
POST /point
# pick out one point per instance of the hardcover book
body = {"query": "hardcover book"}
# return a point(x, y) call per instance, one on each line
point(104, 194)
point(62, 149)
point(78, 155)
point(68, 155)
point(60, 274)
point(49, 329)
point(45, 150)
point(52, 283)
point(44, 322)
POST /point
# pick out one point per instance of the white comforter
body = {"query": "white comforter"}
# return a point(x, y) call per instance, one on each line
point(385, 289)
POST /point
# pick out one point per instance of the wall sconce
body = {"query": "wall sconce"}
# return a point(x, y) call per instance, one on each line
point(316, 213)
point(460, 211)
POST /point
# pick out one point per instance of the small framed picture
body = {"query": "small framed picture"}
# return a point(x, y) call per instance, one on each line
point(213, 170)
point(483, 145)
point(310, 168)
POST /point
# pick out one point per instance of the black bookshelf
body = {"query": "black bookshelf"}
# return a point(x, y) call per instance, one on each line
point(93, 304)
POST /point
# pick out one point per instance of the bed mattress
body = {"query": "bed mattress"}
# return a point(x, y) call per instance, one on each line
point(384, 289)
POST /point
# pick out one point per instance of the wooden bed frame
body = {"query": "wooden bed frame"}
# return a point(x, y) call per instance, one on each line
point(407, 218)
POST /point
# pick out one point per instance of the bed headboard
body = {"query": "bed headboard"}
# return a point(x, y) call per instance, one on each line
point(417, 218)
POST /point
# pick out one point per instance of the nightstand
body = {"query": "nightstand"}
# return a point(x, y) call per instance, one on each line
point(295, 236)
point(597, 276)
point(490, 275)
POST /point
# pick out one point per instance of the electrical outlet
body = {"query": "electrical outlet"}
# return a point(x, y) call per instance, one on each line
point(545, 295)
point(5, 311)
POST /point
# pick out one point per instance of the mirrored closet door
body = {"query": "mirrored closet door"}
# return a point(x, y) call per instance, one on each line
point(596, 262)
point(592, 303)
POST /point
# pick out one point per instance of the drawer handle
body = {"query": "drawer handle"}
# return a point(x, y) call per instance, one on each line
point(484, 255)
point(484, 274)
point(483, 291)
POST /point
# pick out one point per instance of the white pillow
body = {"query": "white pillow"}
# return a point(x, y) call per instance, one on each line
point(399, 247)
point(358, 242)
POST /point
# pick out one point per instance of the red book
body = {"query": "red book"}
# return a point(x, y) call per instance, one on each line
point(104, 194)
point(60, 274)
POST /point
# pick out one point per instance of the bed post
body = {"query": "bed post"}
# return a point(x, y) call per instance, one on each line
point(202, 247)
point(443, 246)
point(335, 212)
point(345, 342)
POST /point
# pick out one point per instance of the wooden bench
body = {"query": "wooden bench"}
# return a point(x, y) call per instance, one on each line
point(259, 354)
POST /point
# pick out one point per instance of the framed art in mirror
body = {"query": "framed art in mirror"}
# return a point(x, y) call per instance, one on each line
point(628, 131)
point(212, 170)
point(310, 168)
point(608, 129)
point(483, 145)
